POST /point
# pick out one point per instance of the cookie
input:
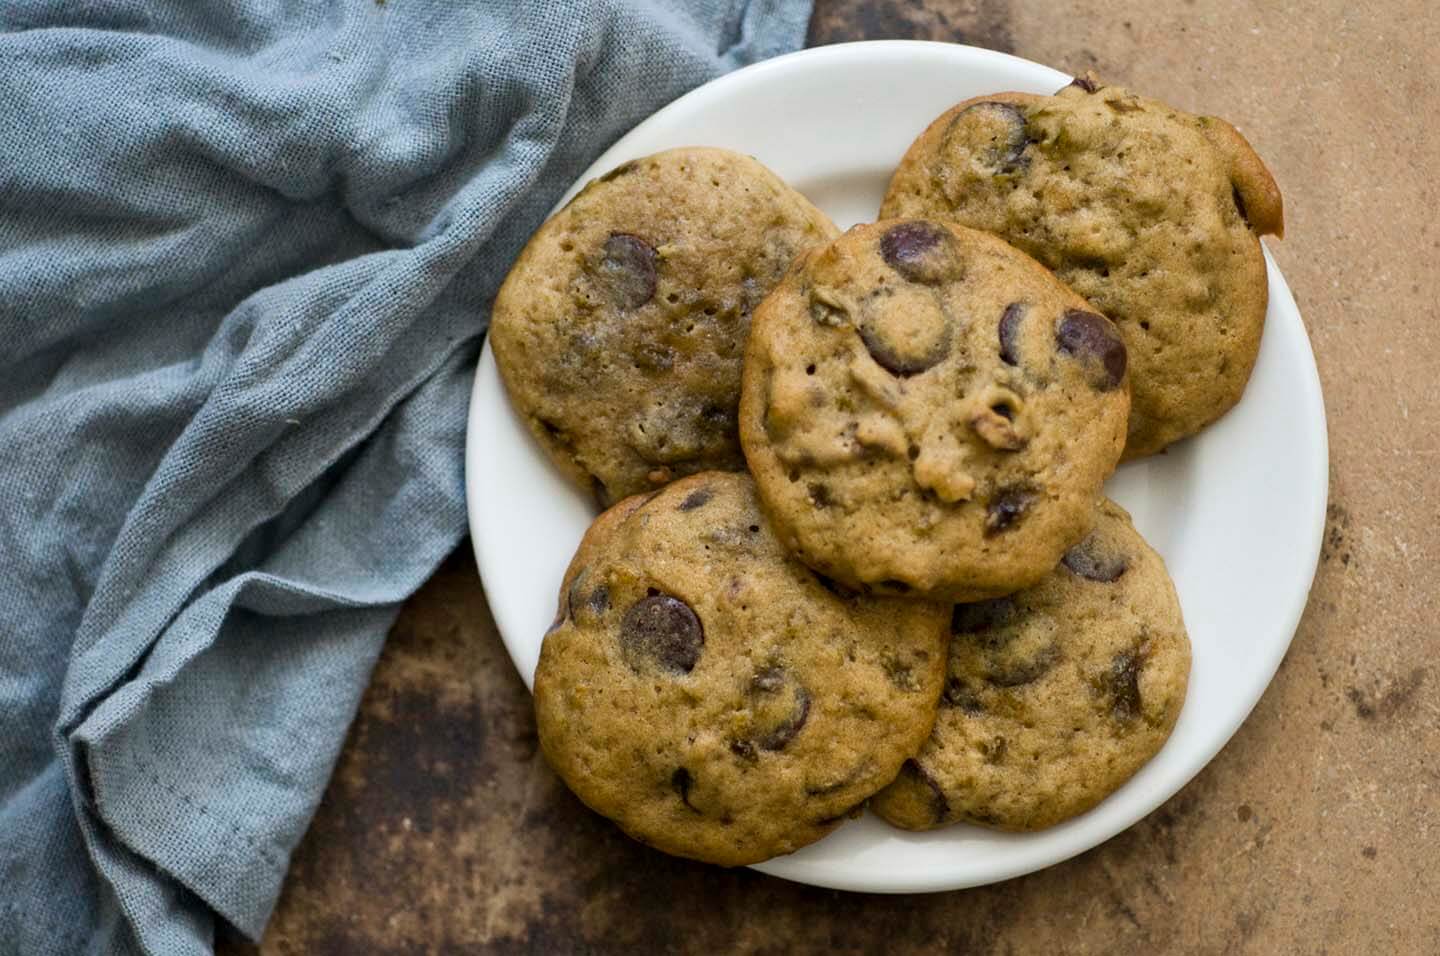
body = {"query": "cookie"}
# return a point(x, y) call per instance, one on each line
point(714, 697)
point(928, 411)
point(620, 329)
point(1150, 213)
point(1055, 696)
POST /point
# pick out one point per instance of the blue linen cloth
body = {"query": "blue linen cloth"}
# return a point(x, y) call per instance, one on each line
point(247, 249)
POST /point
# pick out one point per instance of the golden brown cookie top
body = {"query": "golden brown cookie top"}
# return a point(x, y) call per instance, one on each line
point(1055, 696)
point(620, 329)
point(928, 411)
point(1148, 212)
point(713, 696)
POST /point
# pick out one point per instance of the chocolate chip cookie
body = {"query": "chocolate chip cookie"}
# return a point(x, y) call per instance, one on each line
point(714, 697)
point(928, 411)
point(620, 329)
point(1054, 696)
point(1150, 213)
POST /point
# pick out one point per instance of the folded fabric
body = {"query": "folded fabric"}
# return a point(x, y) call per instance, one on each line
point(247, 251)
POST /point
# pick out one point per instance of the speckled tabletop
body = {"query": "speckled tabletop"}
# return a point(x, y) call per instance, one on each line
point(1314, 831)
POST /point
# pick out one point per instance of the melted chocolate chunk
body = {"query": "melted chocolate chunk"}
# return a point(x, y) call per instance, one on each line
point(921, 251)
point(781, 705)
point(1001, 126)
point(1092, 340)
point(819, 494)
point(697, 498)
point(1006, 508)
point(891, 355)
point(661, 629)
point(627, 269)
point(1010, 332)
point(681, 781)
point(1122, 681)
point(1090, 559)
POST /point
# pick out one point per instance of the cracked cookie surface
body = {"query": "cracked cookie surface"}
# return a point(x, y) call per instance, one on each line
point(713, 696)
point(620, 329)
point(1150, 213)
point(1054, 696)
point(928, 411)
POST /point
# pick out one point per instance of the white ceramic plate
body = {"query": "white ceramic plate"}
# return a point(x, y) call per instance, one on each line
point(1237, 512)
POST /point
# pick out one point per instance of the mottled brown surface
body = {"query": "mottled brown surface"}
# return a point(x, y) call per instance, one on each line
point(1314, 831)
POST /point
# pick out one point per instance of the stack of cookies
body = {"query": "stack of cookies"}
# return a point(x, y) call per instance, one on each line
point(856, 549)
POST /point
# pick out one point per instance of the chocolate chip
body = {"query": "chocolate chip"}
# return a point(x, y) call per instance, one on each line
point(1010, 332)
point(1122, 681)
point(781, 705)
point(959, 694)
point(921, 251)
point(891, 357)
point(939, 805)
point(1086, 83)
point(1092, 340)
point(1002, 126)
point(681, 781)
point(819, 494)
point(1090, 559)
point(1007, 507)
point(661, 629)
point(599, 600)
point(982, 615)
point(774, 681)
point(696, 498)
point(627, 268)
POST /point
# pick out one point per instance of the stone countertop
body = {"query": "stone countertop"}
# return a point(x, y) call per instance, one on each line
point(1314, 830)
